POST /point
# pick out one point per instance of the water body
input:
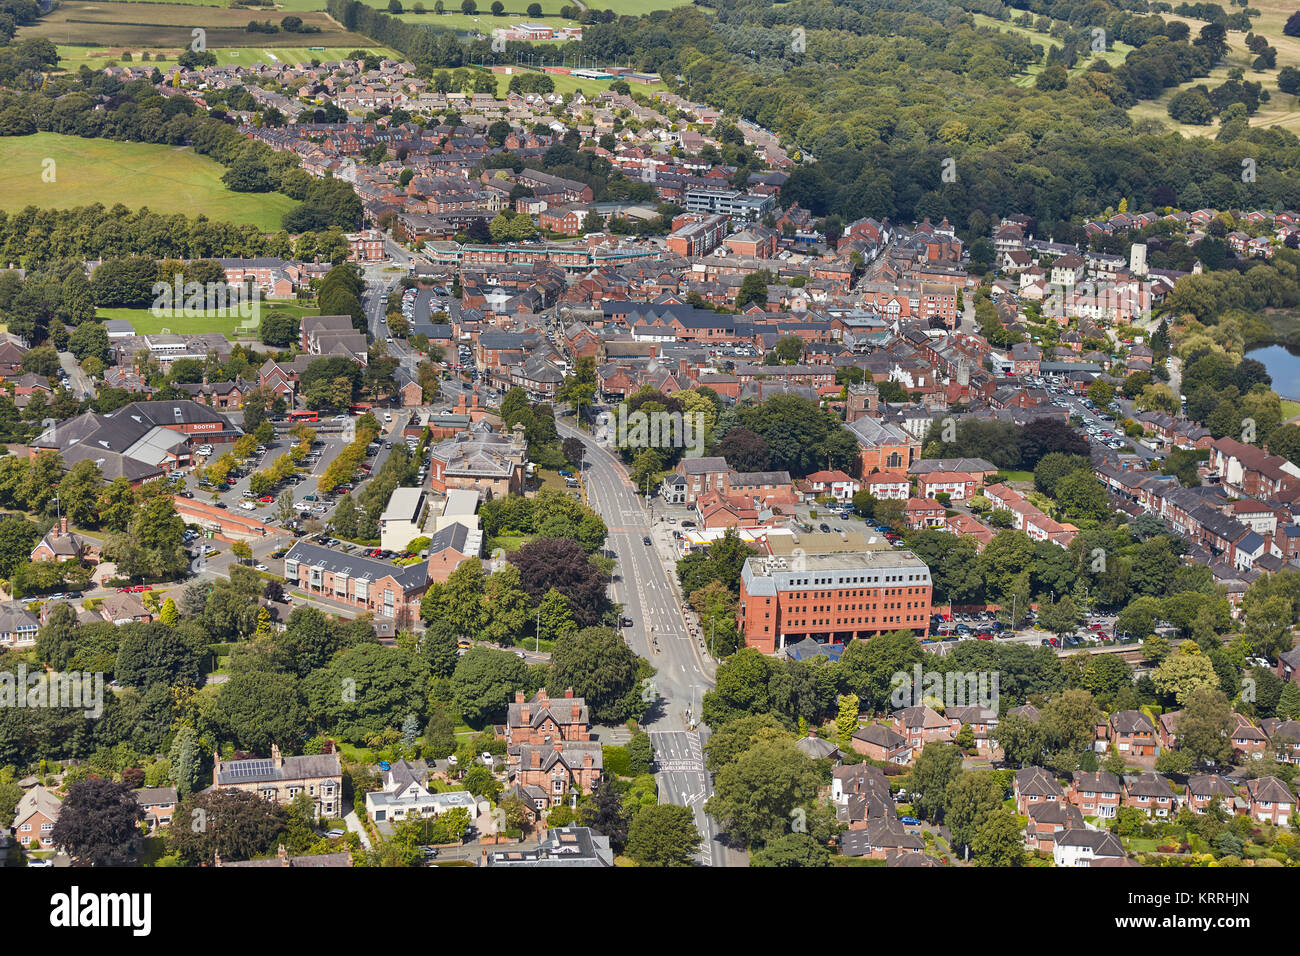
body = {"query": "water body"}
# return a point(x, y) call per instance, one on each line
point(1283, 365)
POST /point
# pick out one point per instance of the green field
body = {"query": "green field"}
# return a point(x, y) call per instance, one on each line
point(72, 58)
point(167, 179)
point(1282, 109)
point(571, 84)
point(1114, 56)
point(146, 322)
point(113, 25)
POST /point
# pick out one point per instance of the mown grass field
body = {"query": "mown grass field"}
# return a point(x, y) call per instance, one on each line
point(231, 326)
point(108, 23)
point(167, 179)
point(571, 84)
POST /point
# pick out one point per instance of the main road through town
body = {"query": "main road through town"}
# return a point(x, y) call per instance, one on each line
point(658, 633)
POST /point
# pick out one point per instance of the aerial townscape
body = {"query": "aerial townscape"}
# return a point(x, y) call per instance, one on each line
point(650, 433)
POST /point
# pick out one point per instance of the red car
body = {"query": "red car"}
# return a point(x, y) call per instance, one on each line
point(984, 636)
point(265, 498)
point(126, 590)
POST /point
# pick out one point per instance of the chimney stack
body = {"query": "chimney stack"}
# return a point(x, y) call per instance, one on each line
point(277, 760)
point(558, 746)
point(283, 854)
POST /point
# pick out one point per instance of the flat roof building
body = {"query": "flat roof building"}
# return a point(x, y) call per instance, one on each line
point(832, 598)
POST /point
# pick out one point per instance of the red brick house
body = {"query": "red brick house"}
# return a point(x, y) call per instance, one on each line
point(1204, 790)
point(34, 819)
point(1133, 734)
point(920, 725)
point(923, 513)
point(1150, 793)
point(1096, 794)
point(1048, 819)
point(882, 743)
point(541, 720)
point(564, 768)
point(1271, 801)
point(1035, 785)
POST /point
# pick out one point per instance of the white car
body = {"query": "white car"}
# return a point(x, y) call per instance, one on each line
point(486, 757)
point(339, 418)
point(248, 506)
point(261, 567)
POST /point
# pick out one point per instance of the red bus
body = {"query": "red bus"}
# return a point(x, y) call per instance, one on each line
point(304, 416)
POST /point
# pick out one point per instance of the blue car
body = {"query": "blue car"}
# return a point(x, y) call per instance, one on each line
point(910, 822)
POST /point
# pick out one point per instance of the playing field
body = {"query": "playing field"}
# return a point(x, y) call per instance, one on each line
point(571, 84)
point(167, 179)
point(232, 325)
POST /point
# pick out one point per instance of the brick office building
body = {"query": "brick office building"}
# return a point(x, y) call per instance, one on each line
point(832, 598)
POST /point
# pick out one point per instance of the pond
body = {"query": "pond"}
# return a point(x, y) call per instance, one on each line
point(1283, 366)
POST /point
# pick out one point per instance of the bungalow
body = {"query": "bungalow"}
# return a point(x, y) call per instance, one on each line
point(406, 793)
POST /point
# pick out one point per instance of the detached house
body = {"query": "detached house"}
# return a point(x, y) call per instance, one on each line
point(1096, 794)
point(405, 793)
point(280, 779)
point(1085, 847)
point(1132, 732)
point(59, 544)
point(1046, 820)
point(1035, 785)
point(1151, 793)
point(34, 819)
point(1271, 801)
point(921, 725)
point(882, 743)
point(1205, 790)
